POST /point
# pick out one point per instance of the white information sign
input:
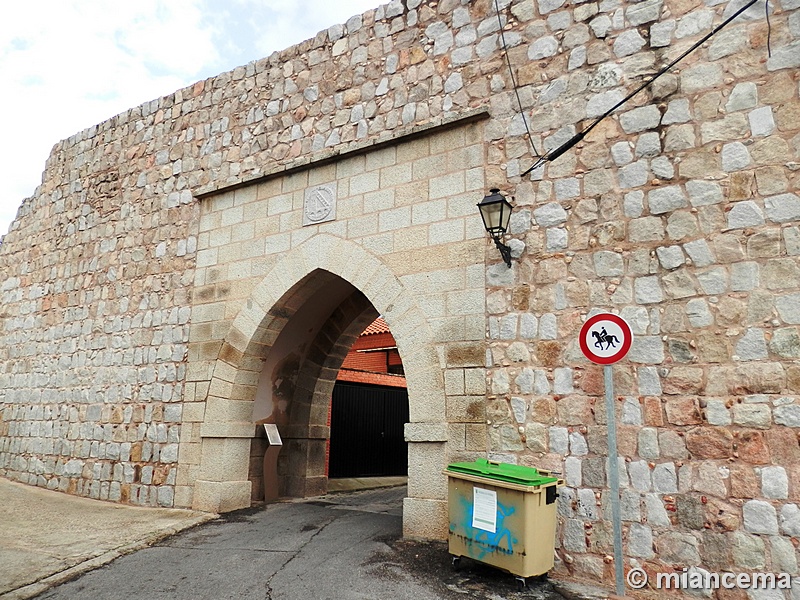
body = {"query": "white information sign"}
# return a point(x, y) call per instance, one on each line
point(484, 514)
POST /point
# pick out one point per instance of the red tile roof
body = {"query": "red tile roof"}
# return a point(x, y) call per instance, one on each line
point(377, 326)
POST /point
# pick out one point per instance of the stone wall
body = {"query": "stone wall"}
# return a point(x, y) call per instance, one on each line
point(681, 213)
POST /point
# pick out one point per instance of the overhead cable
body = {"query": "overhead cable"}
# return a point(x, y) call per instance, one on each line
point(555, 153)
point(513, 80)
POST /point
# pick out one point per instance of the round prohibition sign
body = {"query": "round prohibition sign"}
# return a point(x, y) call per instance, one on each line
point(605, 338)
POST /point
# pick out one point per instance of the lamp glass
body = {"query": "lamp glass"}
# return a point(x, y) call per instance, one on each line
point(496, 212)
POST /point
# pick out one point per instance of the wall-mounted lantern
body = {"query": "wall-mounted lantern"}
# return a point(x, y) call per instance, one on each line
point(496, 213)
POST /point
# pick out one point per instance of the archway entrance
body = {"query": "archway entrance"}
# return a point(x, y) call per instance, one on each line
point(278, 364)
point(325, 314)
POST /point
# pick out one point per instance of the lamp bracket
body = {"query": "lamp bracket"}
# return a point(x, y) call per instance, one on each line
point(505, 251)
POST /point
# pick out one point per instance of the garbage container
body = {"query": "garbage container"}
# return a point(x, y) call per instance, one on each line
point(503, 515)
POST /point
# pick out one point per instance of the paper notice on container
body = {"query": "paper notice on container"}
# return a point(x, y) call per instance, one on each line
point(484, 513)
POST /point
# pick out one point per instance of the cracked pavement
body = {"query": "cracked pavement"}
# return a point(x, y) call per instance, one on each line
point(340, 546)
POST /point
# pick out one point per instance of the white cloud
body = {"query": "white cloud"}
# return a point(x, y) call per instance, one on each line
point(69, 64)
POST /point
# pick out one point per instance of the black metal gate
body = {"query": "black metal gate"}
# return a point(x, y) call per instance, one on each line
point(367, 431)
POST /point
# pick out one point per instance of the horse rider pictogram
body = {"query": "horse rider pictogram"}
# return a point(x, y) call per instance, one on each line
point(603, 337)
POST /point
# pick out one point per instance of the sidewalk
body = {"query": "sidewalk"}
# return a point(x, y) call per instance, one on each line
point(50, 537)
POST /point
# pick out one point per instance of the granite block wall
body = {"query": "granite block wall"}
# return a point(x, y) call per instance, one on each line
point(680, 212)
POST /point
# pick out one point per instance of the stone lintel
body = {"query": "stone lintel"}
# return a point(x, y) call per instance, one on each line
point(426, 432)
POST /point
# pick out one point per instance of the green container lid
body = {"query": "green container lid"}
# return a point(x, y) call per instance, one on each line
point(502, 472)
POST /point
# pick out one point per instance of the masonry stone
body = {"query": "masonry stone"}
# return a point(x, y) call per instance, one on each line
point(640, 119)
point(641, 541)
point(748, 551)
point(761, 121)
point(744, 276)
point(559, 440)
point(665, 478)
point(743, 96)
point(666, 199)
point(745, 214)
point(677, 112)
point(594, 472)
point(752, 345)
point(788, 415)
point(621, 153)
point(563, 381)
point(701, 77)
point(784, 555)
point(519, 408)
point(678, 548)
point(648, 444)
point(177, 264)
point(648, 290)
point(600, 103)
point(774, 483)
point(637, 317)
point(548, 327)
point(735, 157)
point(785, 58)
point(699, 313)
point(713, 281)
point(574, 536)
point(542, 48)
point(783, 208)
point(573, 472)
point(725, 44)
point(633, 175)
point(633, 206)
point(662, 167)
point(601, 25)
point(790, 520)
point(587, 505)
point(550, 214)
point(789, 308)
point(694, 23)
point(648, 145)
point(647, 350)
point(670, 257)
point(577, 58)
point(608, 264)
point(661, 33)
point(760, 517)
point(757, 416)
point(649, 381)
point(577, 444)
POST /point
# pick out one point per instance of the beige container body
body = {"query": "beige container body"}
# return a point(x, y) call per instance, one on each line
point(524, 538)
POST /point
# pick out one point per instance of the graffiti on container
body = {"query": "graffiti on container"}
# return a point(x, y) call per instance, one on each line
point(481, 542)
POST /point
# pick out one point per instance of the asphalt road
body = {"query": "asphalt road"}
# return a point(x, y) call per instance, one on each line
point(338, 547)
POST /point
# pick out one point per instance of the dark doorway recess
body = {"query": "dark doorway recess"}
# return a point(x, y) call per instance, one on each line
point(367, 431)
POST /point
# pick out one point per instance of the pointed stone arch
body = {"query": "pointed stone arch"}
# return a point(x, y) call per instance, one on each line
point(319, 264)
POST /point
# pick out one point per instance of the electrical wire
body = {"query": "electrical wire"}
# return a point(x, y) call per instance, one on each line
point(513, 80)
point(554, 154)
point(769, 29)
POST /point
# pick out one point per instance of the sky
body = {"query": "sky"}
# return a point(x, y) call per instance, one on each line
point(66, 65)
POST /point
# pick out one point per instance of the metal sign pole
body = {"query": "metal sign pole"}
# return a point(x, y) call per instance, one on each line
point(613, 478)
point(606, 338)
